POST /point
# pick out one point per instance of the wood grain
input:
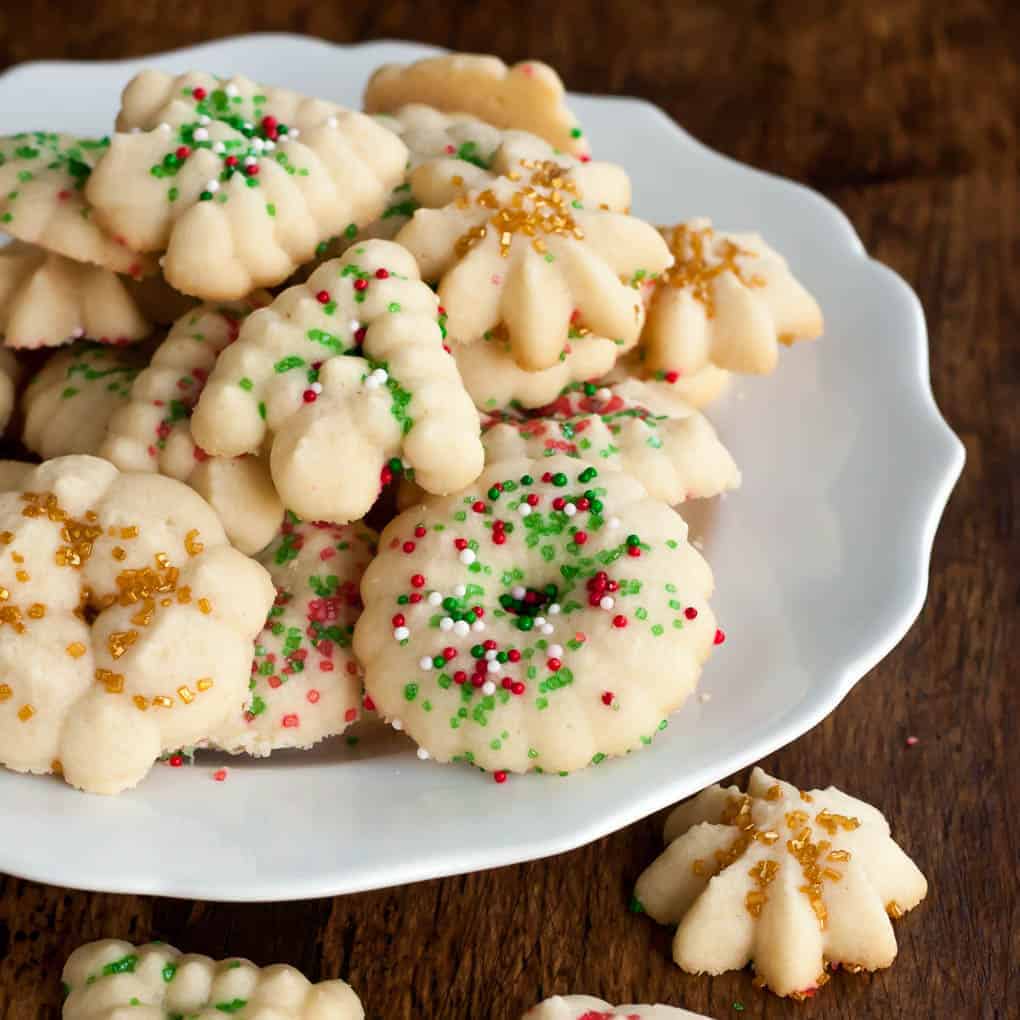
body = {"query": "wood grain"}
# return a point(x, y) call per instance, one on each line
point(905, 113)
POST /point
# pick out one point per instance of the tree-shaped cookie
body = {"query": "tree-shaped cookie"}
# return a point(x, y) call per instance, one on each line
point(305, 682)
point(340, 375)
point(128, 621)
point(114, 980)
point(790, 880)
point(151, 431)
point(42, 199)
point(638, 427)
point(546, 617)
point(529, 95)
point(237, 182)
point(530, 254)
point(728, 300)
point(69, 402)
point(584, 1007)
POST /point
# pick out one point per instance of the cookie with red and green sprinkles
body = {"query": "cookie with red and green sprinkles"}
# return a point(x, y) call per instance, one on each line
point(42, 199)
point(547, 617)
point(237, 182)
point(343, 378)
point(151, 428)
point(305, 682)
point(638, 427)
point(696, 389)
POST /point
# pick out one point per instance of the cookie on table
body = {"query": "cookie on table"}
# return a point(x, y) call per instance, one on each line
point(128, 622)
point(69, 402)
point(546, 617)
point(305, 682)
point(528, 96)
point(47, 300)
point(728, 300)
point(530, 253)
point(642, 428)
point(10, 376)
point(112, 979)
point(584, 1007)
point(788, 880)
point(42, 199)
point(151, 428)
point(340, 375)
point(237, 182)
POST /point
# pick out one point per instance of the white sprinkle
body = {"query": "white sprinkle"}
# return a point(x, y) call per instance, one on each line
point(204, 119)
point(231, 89)
point(402, 633)
point(257, 144)
point(212, 185)
point(554, 608)
point(493, 667)
point(555, 651)
point(488, 687)
point(524, 509)
point(607, 602)
point(293, 133)
point(547, 629)
point(604, 393)
point(539, 621)
point(250, 160)
point(491, 654)
point(446, 624)
point(518, 591)
point(219, 148)
point(478, 626)
point(613, 522)
point(570, 509)
point(200, 135)
point(405, 463)
point(268, 145)
point(396, 724)
point(425, 662)
point(316, 387)
point(460, 590)
point(354, 326)
point(164, 126)
point(467, 557)
point(381, 375)
point(249, 126)
point(332, 122)
point(461, 627)
point(423, 755)
point(435, 598)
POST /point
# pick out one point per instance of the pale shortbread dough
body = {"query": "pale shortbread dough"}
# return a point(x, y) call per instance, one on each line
point(237, 182)
point(47, 300)
point(151, 431)
point(728, 300)
point(639, 427)
point(699, 389)
point(305, 683)
point(69, 402)
point(42, 199)
point(584, 1007)
point(343, 373)
point(128, 622)
point(10, 376)
point(529, 95)
point(114, 980)
point(545, 618)
point(792, 881)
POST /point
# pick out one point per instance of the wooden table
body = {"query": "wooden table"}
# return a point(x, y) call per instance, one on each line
point(904, 113)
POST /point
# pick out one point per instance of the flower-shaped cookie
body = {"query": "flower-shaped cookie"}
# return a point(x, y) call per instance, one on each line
point(728, 300)
point(305, 682)
point(529, 95)
point(42, 201)
point(127, 622)
point(584, 1007)
point(546, 617)
point(69, 402)
point(527, 252)
point(10, 376)
point(111, 980)
point(345, 372)
point(788, 879)
point(151, 431)
point(236, 181)
point(47, 300)
point(638, 427)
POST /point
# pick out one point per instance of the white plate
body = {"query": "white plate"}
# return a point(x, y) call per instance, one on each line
point(821, 560)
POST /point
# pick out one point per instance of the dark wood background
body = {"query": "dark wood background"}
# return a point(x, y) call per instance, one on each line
point(906, 114)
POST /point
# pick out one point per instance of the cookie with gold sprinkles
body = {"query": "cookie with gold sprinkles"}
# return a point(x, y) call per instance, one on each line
point(346, 379)
point(728, 300)
point(546, 617)
point(111, 979)
point(128, 621)
point(305, 682)
point(528, 96)
point(638, 427)
point(151, 428)
point(237, 182)
point(584, 1007)
point(532, 254)
point(68, 403)
point(789, 880)
point(10, 376)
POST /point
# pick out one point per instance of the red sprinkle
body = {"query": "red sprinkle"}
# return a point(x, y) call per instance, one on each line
point(176, 761)
point(580, 537)
point(408, 547)
point(498, 537)
point(290, 720)
point(634, 550)
point(478, 506)
point(607, 697)
point(359, 335)
point(554, 665)
point(220, 775)
point(309, 396)
point(360, 284)
point(500, 776)
point(252, 169)
point(418, 580)
point(489, 645)
point(368, 703)
point(460, 677)
point(183, 152)
point(460, 544)
point(513, 655)
point(911, 741)
point(420, 531)
point(398, 620)
point(449, 652)
point(620, 620)
point(671, 377)
point(313, 697)
point(199, 93)
point(322, 297)
point(382, 274)
point(518, 687)
point(691, 613)
point(720, 636)
point(415, 597)
point(350, 715)
point(231, 161)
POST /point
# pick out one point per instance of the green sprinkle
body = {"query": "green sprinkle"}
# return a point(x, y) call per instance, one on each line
point(351, 231)
point(410, 692)
point(636, 906)
point(234, 1006)
point(169, 972)
point(125, 965)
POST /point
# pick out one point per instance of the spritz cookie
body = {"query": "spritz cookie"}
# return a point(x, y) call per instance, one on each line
point(344, 373)
point(638, 427)
point(305, 682)
point(42, 199)
point(10, 376)
point(237, 182)
point(529, 95)
point(69, 402)
point(114, 980)
point(528, 254)
point(47, 300)
point(546, 617)
point(789, 880)
point(151, 430)
point(128, 618)
point(584, 1007)
point(728, 300)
